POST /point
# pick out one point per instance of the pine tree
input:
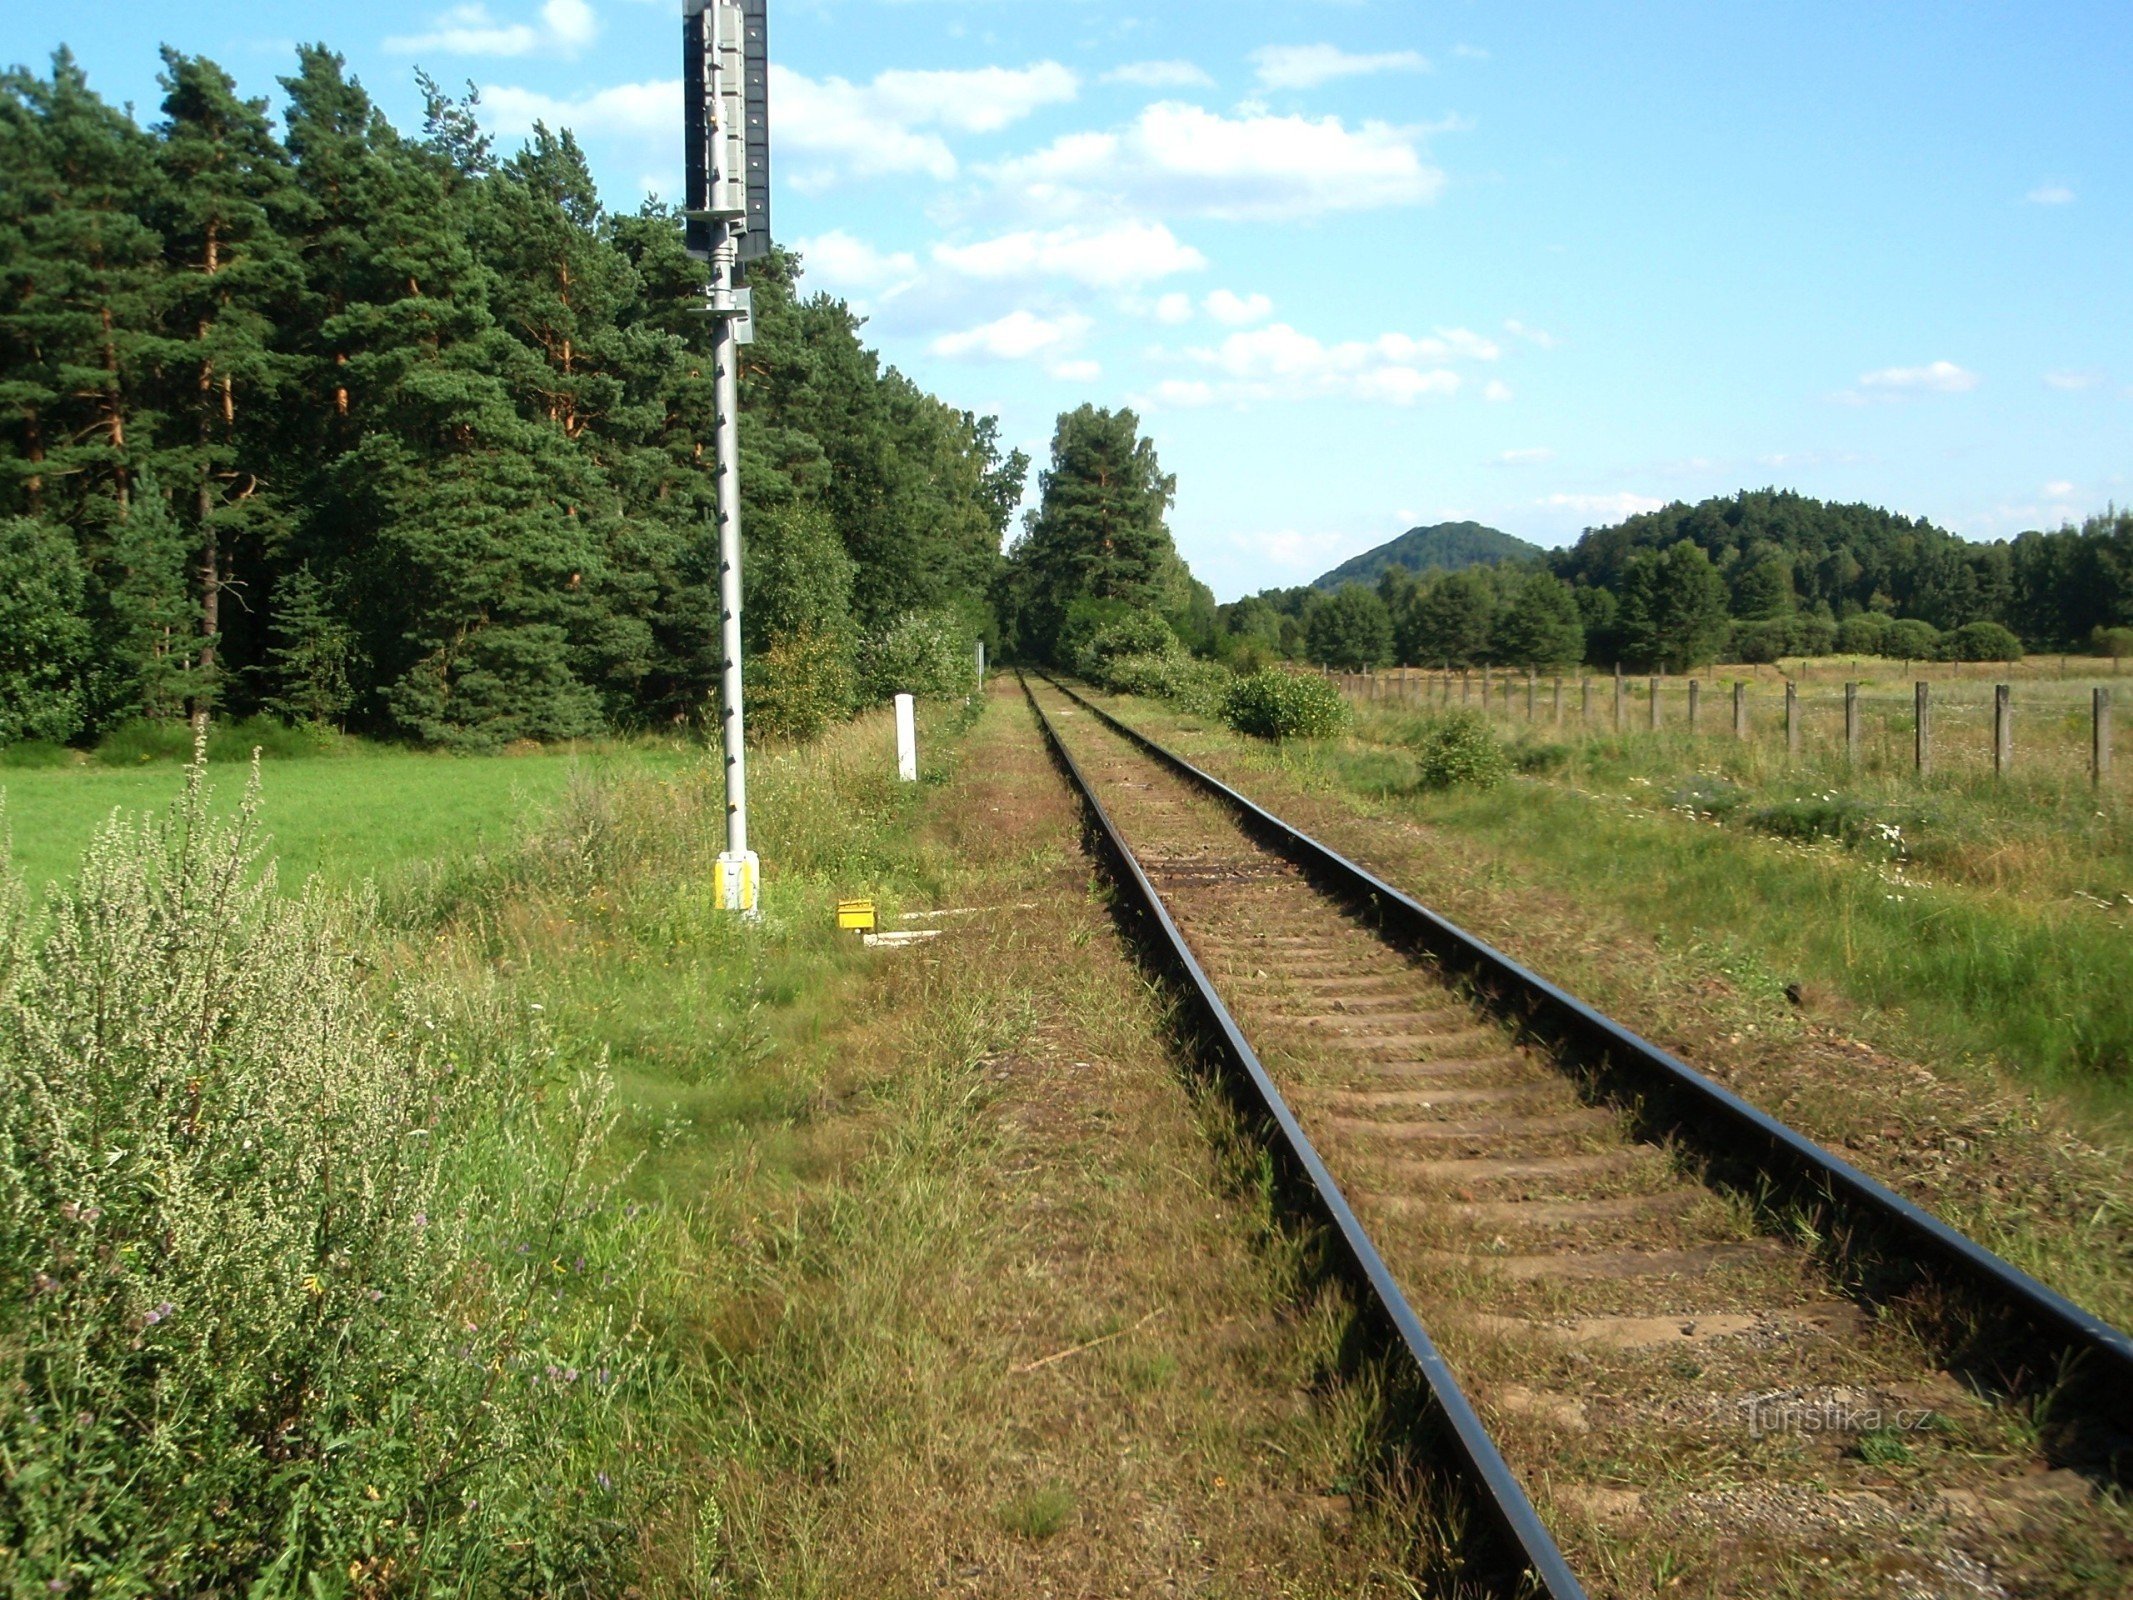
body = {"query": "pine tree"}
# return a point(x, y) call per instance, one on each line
point(222, 206)
point(1099, 531)
point(146, 627)
point(44, 637)
point(1673, 608)
point(313, 654)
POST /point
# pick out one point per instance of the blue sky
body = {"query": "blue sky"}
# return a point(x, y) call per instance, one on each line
point(1363, 265)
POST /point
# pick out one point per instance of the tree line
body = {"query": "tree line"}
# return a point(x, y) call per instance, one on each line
point(306, 416)
point(1754, 577)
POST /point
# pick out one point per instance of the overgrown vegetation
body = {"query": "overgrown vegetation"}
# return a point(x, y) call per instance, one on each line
point(312, 1288)
point(1459, 748)
point(1277, 704)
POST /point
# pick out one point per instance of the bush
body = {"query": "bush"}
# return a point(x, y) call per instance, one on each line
point(1982, 641)
point(1460, 748)
point(1908, 639)
point(1143, 633)
point(1864, 634)
point(931, 654)
point(797, 687)
point(131, 743)
point(311, 1291)
point(1183, 680)
point(2117, 643)
point(1285, 705)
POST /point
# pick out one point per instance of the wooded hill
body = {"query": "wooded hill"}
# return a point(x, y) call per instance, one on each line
point(1759, 575)
point(1442, 546)
point(394, 431)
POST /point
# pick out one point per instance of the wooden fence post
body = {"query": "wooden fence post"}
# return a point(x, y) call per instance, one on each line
point(1531, 681)
point(1486, 708)
point(2002, 730)
point(1558, 699)
point(1618, 697)
point(2100, 737)
point(1740, 709)
point(1851, 724)
point(1792, 718)
point(1654, 717)
point(1695, 701)
point(1466, 684)
point(1922, 728)
point(1584, 700)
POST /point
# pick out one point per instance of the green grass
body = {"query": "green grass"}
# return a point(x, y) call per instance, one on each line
point(346, 816)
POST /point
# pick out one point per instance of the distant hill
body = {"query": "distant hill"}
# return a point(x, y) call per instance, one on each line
point(1448, 545)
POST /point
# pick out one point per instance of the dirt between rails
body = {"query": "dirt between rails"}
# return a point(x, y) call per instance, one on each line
point(1693, 1405)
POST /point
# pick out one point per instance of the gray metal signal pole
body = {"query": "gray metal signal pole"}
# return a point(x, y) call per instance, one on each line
point(726, 119)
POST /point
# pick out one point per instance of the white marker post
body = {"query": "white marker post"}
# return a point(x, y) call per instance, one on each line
point(906, 739)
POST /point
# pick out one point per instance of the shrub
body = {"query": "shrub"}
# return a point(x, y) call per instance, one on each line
point(931, 654)
point(1982, 641)
point(131, 743)
point(797, 687)
point(308, 1293)
point(1181, 679)
point(1908, 639)
point(1863, 634)
point(1460, 748)
point(1284, 705)
point(1143, 633)
point(2117, 643)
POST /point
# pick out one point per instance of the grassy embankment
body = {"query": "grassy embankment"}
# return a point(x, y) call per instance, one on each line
point(923, 1267)
point(1963, 1027)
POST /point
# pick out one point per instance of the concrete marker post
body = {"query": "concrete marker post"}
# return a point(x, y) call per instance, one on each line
point(1653, 717)
point(2099, 736)
point(1922, 727)
point(1618, 697)
point(1792, 719)
point(1740, 709)
point(2002, 729)
point(906, 739)
point(1695, 701)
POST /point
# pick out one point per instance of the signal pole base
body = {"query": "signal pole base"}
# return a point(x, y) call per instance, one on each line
point(735, 881)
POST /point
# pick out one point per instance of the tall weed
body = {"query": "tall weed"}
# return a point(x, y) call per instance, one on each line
point(307, 1291)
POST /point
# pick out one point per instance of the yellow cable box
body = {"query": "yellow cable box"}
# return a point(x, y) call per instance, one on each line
point(856, 915)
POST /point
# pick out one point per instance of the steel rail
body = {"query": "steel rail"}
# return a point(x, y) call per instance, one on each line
point(1503, 1496)
point(2078, 1331)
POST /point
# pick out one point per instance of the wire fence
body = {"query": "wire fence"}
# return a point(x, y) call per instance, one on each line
point(1965, 720)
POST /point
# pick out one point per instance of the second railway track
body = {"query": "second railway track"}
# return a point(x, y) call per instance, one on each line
point(1688, 1392)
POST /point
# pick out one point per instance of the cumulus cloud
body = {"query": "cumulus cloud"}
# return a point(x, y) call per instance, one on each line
point(839, 262)
point(883, 127)
point(1936, 377)
point(1160, 75)
point(1118, 256)
point(1174, 308)
point(2059, 489)
point(1235, 310)
point(1014, 337)
point(2050, 194)
point(1539, 338)
point(1618, 505)
point(1306, 66)
point(648, 109)
point(1279, 362)
point(1496, 391)
point(1178, 159)
point(564, 27)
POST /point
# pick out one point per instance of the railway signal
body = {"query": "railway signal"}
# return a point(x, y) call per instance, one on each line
point(726, 125)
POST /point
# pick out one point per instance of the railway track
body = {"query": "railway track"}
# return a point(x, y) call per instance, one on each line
point(1671, 1345)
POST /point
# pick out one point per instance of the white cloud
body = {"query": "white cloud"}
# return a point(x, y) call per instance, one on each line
point(2073, 381)
point(1160, 75)
point(1306, 66)
point(1496, 391)
point(1178, 159)
point(1532, 455)
point(2050, 194)
point(2059, 489)
point(881, 128)
point(1538, 337)
point(1078, 371)
point(1014, 337)
point(837, 261)
point(1470, 52)
point(1936, 377)
point(1123, 254)
point(1236, 311)
point(648, 109)
point(1174, 308)
point(565, 27)
point(1276, 362)
point(1623, 504)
